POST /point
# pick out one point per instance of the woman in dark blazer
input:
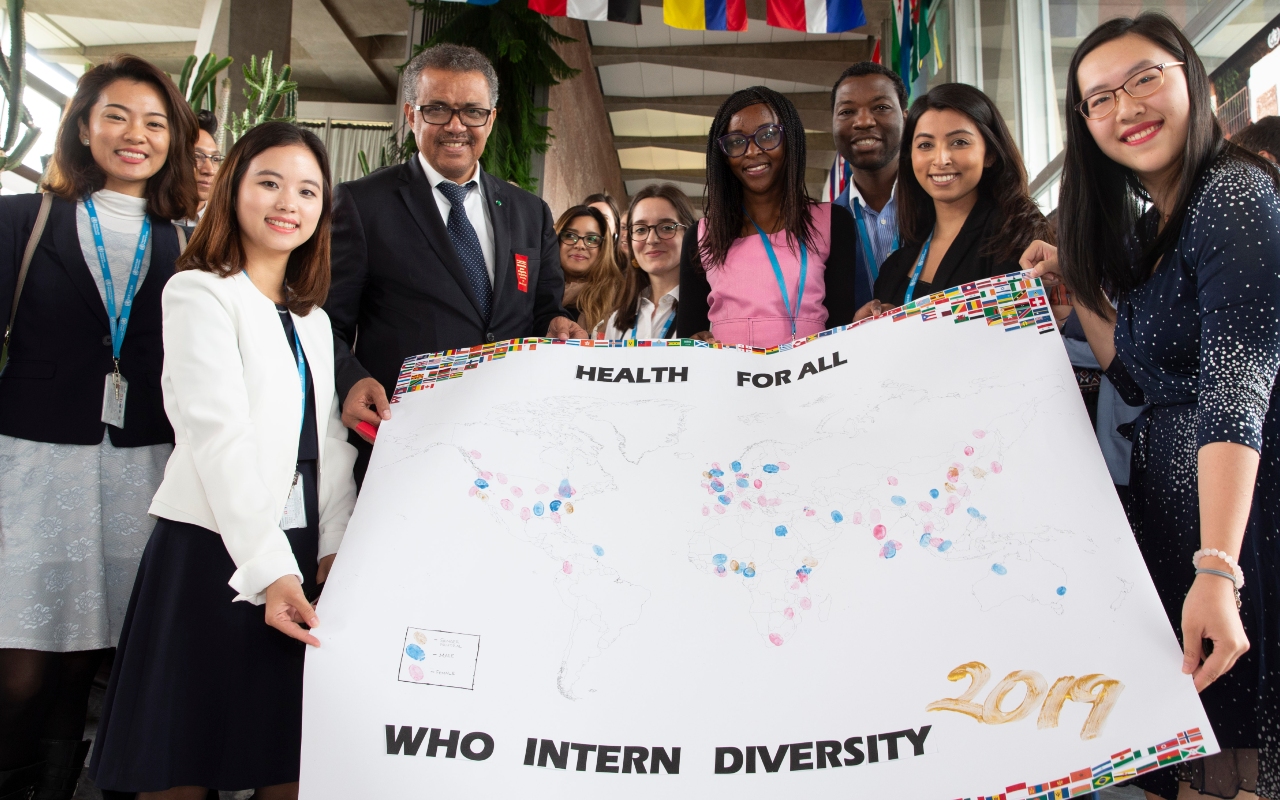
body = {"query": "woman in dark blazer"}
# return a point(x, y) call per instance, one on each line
point(83, 432)
point(963, 206)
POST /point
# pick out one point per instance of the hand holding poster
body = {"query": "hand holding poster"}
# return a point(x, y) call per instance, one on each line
point(886, 561)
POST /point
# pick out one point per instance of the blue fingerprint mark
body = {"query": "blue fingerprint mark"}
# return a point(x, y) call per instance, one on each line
point(538, 509)
point(742, 483)
point(770, 468)
point(565, 489)
point(781, 530)
point(933, 493)
point(924, 540)
point(717, 486)
point(836, 516)
point(973, 512)
point(555, 505)
point(898, 500)
point(945, 546)
point(890, 551)
point(749, 572)
point(597, 549)
point(415, 652)
point(1061, 591)
point(806, 569)
point(999, 569)
point(736, 466)
point(716, 473)
point(720, 569)
point(719, 558)
point(724, 500)
point(482, 483)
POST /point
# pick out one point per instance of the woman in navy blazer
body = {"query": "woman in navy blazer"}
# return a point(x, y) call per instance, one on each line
point(75, 475)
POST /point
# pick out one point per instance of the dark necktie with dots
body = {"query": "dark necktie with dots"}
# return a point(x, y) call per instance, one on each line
point(467, 244)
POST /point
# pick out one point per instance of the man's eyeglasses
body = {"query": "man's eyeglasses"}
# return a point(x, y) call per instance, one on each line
point(591, 240)
point(1143, 84)
point(665, 230)
point(766, 137)
point(441, 115)
point(201, 158)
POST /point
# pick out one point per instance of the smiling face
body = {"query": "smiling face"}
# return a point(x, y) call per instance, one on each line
point(206, 170)
point(452, 149)
point(657, 256)
point(948, 155)
point(128, 133)
point(867, 122)
point(279, 202)
point(577, 259)
point(759, 171)
point(1145, 134)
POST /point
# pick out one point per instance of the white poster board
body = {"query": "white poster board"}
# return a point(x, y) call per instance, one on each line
point(887, 561)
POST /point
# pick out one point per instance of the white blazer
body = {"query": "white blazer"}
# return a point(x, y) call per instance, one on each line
point(232, 393)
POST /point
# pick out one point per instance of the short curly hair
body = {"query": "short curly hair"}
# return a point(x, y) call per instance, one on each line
point(451, 58)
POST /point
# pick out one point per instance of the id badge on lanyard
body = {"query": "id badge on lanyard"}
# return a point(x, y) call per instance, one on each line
point(116, 388)
point(295, 507)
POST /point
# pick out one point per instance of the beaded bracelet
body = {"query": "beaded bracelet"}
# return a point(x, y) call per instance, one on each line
point(1221, 574)
point(1237, 574)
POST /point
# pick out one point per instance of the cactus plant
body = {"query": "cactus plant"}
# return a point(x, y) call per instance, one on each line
point(13, 80)
point(202, 81)
point(266, 92)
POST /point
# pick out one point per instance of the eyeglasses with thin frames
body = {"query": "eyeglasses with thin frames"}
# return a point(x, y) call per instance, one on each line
point(1145, 83)
point(591, 240)
point(665, 230)
point(766, 137)
point(201, 158)
point(441, 115)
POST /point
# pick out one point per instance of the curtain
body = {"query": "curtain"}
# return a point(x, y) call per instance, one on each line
point(344, 140)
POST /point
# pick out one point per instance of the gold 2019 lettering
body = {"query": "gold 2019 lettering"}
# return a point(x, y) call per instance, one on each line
point(1096, 690)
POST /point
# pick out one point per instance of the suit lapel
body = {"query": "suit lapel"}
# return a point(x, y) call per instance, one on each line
point(421, 201)
point(964, 248)
point(67, 241)
point(494, 190)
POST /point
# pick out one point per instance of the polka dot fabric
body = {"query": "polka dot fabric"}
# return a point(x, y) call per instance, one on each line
point(467, 243)
point(1200, 342)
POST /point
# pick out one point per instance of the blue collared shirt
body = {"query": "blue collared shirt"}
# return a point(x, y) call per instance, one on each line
point(882, 225)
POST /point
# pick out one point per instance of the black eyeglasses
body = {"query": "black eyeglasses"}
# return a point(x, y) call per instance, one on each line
point(201, 158)
point(766, 137)
point(591, 240)
point(1143, 84)
point(441, 115)
point(665, 230)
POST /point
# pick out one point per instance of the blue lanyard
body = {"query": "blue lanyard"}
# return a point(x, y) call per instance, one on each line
point(872, 264)
point(108, 285)
point(782, 284)
point(665, 330)
point(915, 276)
point(302, 376)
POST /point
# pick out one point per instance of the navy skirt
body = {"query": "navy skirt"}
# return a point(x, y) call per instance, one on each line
point(203, 692)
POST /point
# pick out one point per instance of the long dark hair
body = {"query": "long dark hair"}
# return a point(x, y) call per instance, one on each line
point(216, 247)
point(1100, 200)
point(603, 280)
point(73, 174)
point(1003, 183)
point(723, 207)
point(638, 280)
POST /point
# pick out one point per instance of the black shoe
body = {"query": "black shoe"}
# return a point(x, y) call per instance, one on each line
point(20, 784)
point(63, 762)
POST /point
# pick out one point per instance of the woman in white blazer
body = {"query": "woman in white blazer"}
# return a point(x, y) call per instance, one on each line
point(255, 498)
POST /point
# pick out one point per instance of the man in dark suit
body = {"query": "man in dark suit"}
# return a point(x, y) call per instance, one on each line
point(435, 254)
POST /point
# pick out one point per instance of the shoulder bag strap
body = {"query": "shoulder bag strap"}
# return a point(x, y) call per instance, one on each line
point(33, 241)
point(182, 237)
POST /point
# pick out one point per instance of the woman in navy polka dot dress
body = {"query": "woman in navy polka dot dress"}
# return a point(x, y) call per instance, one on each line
point(1181, 230)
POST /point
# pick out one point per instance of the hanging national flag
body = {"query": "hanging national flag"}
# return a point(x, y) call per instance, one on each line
point(921, 44)
point(815, 16)
point(906, 38)
point(705, 15)
point(875, 54)
point(595, 10)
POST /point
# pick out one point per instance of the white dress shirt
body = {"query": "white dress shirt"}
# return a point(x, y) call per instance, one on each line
point(651, 320)
point(475, 206)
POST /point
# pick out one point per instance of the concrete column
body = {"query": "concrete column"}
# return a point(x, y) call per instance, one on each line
point(244, 28)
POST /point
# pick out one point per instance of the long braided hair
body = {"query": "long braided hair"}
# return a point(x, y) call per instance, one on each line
point(723, 207)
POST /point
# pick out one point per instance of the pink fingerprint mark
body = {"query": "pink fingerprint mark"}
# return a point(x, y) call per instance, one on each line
point(566, 568)
point(893, 481)
point(928, 527)
point(517, 491)
point(874, 516)
point(501, 478)
point(525, 513)
point(784, 466)
point(555, 516)
point(758, 483)
point(706, 512)
point(776, 639)
point(795, 585)
point(803, 577)
point(762, 500)
point(715, 465)
point(925, 505)
point(897, 545)
point(879, 531)
point(997, 467)
point(475, 453)
point(542, 488)
point(719, 509)
point(857, 518)
point(968, 450)
point(809, 512)
point(486, 474)
point(935, 541)
point(415, 672)
point(776, 501)
point(978, 434)
point(506, 504)
point(746, 504)
point(806, 603)
point(788, 612)
point(471, 492)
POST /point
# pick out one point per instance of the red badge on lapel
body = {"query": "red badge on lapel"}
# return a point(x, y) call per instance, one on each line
point(522, 273)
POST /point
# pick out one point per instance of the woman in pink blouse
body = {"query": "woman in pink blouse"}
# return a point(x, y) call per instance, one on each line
point(768, 265)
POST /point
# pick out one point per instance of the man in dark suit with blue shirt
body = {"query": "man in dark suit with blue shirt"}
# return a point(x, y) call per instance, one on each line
point(436, 254)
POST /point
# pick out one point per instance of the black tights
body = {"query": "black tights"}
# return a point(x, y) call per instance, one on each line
point(42, 696)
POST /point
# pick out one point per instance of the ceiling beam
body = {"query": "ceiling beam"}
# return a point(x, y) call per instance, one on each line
point(806, 62)
point(812, 174)
point(814, 142)
point(814, 107)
